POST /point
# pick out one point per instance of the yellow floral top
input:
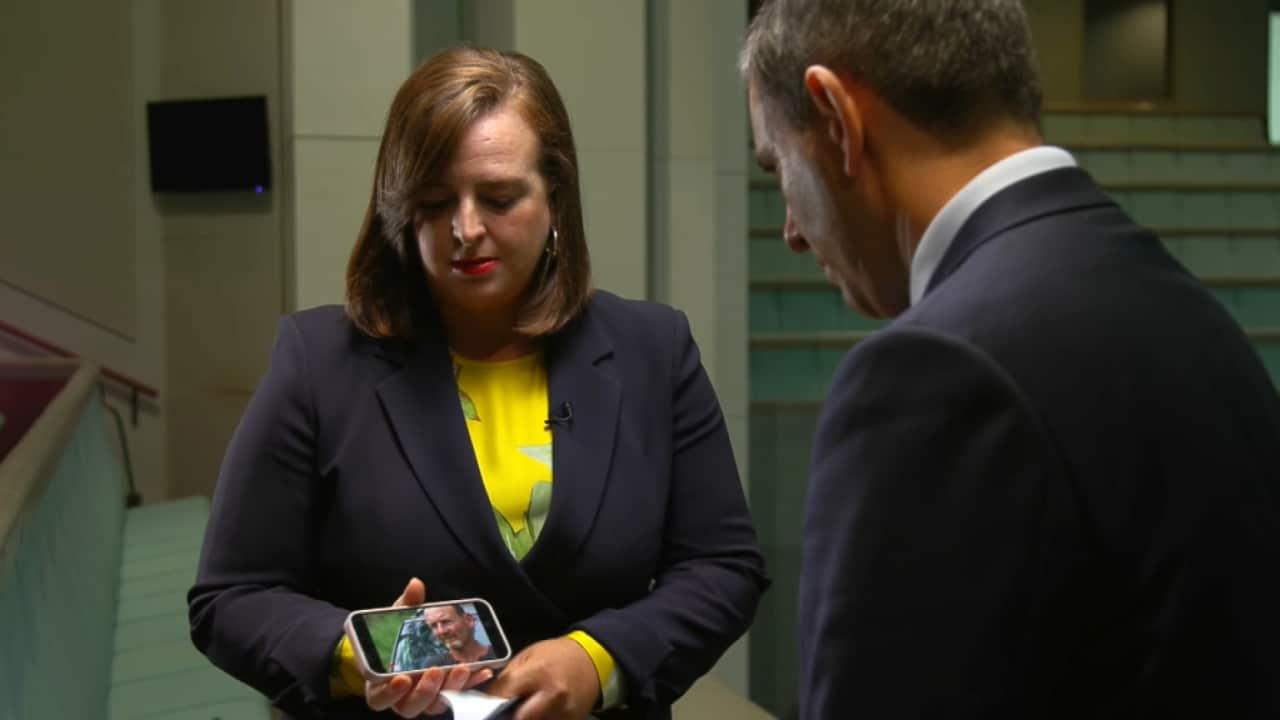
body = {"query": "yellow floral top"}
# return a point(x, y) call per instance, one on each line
point(505, 406)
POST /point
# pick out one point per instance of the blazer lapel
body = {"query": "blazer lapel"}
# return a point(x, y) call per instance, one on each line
point(580, 374)
point(422, 406)
point(1049, 193)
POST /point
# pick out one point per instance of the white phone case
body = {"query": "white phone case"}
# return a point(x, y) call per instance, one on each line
point(363, 663)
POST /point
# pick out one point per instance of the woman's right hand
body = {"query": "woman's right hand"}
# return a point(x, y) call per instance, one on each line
point(409, 696)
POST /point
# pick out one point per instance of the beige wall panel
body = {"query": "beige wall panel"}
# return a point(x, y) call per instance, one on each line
point(222, 303)
point(66, 164)
point(223, 256)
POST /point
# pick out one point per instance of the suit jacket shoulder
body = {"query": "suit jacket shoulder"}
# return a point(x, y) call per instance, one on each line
point(639, 322)
point(1163, 426)
point(326, 331)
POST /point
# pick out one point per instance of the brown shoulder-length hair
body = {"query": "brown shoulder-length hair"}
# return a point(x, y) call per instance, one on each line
point(387, 295)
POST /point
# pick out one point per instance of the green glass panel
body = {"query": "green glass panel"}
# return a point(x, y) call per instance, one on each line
point(763, 309)
point(56, 645)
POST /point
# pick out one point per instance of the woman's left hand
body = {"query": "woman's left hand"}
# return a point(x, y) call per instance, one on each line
point(555, 677)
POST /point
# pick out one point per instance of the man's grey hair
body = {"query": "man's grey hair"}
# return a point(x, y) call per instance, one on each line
point(950, 66)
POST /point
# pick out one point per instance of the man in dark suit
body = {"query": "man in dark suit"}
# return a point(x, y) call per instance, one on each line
point(1050, 487)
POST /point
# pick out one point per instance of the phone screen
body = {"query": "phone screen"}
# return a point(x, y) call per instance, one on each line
point(402, 640)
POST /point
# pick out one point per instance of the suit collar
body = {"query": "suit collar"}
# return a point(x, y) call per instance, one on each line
point(1049, 193)
point(398, 351)
point(582, 375)
point(422, 408)
point(942, 230)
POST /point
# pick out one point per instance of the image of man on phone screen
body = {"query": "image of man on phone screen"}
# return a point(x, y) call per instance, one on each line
point(455, 629)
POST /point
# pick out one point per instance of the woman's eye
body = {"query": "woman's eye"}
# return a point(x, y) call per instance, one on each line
point(501, 203)
point(433, 207)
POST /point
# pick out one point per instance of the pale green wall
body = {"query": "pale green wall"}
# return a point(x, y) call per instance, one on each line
point(697, 167)
point(437, 24)
point(344, 63)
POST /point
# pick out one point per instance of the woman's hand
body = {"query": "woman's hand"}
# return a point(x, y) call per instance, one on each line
point(556, 677)
point(411, 696)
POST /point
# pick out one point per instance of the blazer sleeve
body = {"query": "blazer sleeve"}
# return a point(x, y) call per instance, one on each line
point(939, 539)
point(249, 608)
point(711, 573)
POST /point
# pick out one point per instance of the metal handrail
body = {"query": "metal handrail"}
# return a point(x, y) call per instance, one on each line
point(136, 388)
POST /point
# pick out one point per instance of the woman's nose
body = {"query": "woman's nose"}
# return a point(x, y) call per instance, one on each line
point(792, 236)
point(468, 226)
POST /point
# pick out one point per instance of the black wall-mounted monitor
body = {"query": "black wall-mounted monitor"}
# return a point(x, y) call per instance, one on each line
point(212, 144)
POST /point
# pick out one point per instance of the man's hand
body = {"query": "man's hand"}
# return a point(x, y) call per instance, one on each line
point(410, 697)
point(557, 679)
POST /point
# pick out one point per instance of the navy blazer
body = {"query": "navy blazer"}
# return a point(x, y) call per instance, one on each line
point(1051, 488)
point(352, 471)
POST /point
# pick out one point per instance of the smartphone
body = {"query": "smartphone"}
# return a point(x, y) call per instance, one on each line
point(402, 640)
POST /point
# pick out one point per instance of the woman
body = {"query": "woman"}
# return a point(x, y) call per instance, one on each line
point(478, 418)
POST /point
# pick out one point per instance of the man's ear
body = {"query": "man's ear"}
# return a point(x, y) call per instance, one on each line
point(838, 112)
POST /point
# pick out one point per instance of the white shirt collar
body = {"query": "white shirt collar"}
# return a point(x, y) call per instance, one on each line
point(946, 224)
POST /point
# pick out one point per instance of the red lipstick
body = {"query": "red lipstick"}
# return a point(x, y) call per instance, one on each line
point(475, 266)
